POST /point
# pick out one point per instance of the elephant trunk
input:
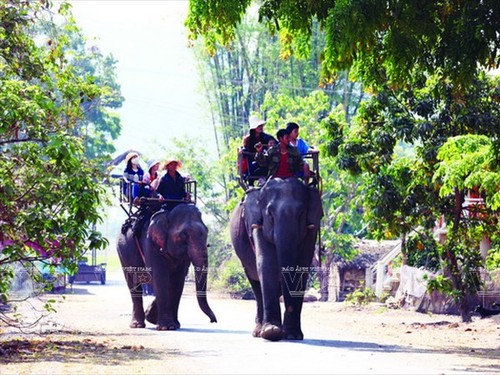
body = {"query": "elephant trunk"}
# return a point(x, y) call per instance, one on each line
point(201, 273)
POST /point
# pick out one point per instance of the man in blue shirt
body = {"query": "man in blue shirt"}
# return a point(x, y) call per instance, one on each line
point(302, 146)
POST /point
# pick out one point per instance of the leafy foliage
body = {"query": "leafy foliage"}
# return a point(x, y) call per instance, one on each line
point(361, 296)
point(452, 152)
point(232, 278)
point(467, 162)
point(423, 251)
point(387, 43)
point(50, 191)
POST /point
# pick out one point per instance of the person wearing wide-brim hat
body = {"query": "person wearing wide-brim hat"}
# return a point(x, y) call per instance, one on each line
point(170, 161)
point(172, 185)
point(133, 176)
point(256, 136)
point(129, 156)
point(151, 179)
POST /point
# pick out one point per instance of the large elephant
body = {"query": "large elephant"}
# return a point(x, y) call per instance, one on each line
point(161, 250)
point(274, 231)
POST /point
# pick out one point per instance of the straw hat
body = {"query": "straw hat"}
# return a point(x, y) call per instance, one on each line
point(130, 155)
point(255, 121)
point(171, 160)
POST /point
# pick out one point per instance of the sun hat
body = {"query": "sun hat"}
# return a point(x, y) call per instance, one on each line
point(171, 160)
point(255, 121)
point(130, 155)
point(152, 163)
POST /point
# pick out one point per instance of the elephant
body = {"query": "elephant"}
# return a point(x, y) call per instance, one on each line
point(160, 251)
point(274, 231)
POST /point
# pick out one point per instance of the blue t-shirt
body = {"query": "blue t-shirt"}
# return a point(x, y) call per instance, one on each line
point(302, 146)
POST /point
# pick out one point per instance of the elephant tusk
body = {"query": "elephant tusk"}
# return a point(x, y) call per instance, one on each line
point(256, 226)
point(311, 226)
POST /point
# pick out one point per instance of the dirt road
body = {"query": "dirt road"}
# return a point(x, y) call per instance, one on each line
point(90, 335)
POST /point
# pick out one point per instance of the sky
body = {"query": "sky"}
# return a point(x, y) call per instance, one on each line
point(156, 70)
point(157, 73)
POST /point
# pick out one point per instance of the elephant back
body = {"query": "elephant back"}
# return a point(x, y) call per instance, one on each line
point(137, 223)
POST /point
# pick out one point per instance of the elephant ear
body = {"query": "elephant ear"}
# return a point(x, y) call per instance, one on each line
point(157, 230)
point(315, 210)
point(251, 211)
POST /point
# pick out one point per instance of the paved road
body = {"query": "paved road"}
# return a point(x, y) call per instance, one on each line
point(227, 347)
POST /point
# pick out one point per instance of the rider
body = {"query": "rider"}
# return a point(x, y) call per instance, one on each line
point(282, 160)
point(151, 178)
point(301, 145)
point(172, 184)
point(133, 176)
point(256, 135)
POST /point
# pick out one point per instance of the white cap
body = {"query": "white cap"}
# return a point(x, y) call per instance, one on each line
point(255, 121)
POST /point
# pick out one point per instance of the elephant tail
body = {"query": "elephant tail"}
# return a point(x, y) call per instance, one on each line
point(203, 303)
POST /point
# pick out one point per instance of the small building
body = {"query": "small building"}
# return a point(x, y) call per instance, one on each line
point(347, 276)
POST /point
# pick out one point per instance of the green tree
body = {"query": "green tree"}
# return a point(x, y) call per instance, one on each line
point(384, 43)
point(402, 195)
point(50, 192)
point(100, 124)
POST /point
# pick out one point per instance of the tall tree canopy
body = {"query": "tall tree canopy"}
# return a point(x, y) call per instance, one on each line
point(384, 41)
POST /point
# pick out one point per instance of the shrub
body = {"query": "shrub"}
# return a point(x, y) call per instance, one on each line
point(233, 279)
point(361, 296)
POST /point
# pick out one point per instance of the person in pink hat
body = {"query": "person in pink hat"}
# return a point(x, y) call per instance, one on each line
point(151, 178)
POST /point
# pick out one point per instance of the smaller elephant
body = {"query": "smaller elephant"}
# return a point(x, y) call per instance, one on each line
point(161, 252)
point(274, 231)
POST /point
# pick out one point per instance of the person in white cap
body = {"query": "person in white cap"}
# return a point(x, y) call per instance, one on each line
point(256, 136)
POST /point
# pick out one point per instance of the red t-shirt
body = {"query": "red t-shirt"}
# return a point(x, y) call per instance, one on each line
point(283, 170)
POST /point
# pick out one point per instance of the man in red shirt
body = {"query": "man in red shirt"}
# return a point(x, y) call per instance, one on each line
point(282, 160)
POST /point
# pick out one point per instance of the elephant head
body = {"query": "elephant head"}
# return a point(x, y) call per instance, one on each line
point(274, 232)
point(288, 210)
point(181, 235)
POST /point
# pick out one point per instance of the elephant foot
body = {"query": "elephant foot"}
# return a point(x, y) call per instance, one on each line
point(136, 324)
point(289, 335)
point(152, 312)
point(172, 326)
point(271, 332)
point(256, 331)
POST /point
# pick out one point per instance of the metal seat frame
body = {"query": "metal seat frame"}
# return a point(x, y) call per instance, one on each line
point(132, 206)
point(245, 179)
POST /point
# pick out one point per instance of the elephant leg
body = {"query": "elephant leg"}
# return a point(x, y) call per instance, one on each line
point(169, 285)
point(257, 291)
point(269, 274)
point(293, 300)
point(294, 285)
point(132, 264)
point(162, 283)
point(177, 279)
point(135, 288)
